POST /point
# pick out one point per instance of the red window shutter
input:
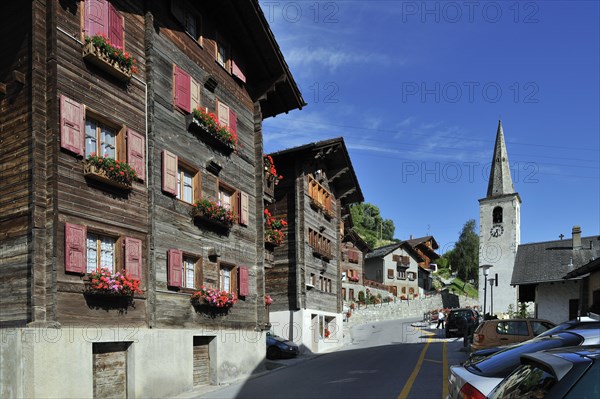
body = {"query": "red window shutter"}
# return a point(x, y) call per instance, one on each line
point(243, 279)
point(115, 24)
point(232, 121)
point(72, 133)
point(75, 250)
point(244, 213)
point(136, 148)
point(169, 172)
point(236, 69)
point(174, 266)
point(133, 257)
point(181, 82)
point(96, 17)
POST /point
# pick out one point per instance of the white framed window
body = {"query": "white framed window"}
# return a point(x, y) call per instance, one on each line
point(100, 139)
point(185, 184)
point(188, 271)
point(100, 252)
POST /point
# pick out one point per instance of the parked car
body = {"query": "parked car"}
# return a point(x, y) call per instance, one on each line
point(278, 347)
point(456, 318)
point(494, 333)
point(581, 323)
point(477, 379)
point(558, 373)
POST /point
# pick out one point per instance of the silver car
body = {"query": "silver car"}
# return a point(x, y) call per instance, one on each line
point(478, 379)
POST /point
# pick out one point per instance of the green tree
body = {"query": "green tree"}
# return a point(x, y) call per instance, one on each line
point(369, 224)
point(464, 258)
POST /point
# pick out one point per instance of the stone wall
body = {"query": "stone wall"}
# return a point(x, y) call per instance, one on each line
point(400, 309)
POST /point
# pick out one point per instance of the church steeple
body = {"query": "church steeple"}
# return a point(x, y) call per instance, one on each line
point(500, 181)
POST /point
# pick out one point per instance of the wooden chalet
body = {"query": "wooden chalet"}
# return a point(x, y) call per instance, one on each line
point(353, 252)
point(425, 247)
point(73, 100)
point(303, 275)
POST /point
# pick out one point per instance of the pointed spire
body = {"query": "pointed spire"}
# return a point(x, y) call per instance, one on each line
point(500, 181)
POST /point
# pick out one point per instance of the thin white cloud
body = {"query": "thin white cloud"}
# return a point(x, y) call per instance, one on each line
point(333, 59)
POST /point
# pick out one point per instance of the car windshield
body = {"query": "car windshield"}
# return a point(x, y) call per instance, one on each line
point(502, 363)
point(570, 325)
point(527, 381)
point(460, 313)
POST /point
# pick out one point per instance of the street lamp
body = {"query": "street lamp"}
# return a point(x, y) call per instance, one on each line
point(486, 271)
point(492, 280)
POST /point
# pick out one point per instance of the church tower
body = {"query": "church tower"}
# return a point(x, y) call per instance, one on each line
point(499, 230)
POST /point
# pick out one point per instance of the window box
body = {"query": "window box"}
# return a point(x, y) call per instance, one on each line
point(212, 214)
point(93, 172)
point(269, 186)
point(212, 302)
point(213, 134)
point(96, 56)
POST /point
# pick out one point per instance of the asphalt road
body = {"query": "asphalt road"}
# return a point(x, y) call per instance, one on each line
point(387, 360)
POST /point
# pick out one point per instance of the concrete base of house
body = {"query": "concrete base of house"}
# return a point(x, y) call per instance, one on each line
point(59, 362)
point(313, 330)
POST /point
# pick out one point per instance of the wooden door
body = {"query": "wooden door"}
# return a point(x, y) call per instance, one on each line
point(110, 369)
point(201, 361)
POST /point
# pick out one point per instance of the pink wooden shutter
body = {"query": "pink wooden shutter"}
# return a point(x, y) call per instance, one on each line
point(232, 121)
point(96, 17)
point(244, 213)
point(236, 69)
point(75, 250)
point(115, 24)
point(223, 113)
point(169, 172)
point(174, 266)
point(243, 278)
point(182, 88)
point(136, 148)
point(72, 133)
point(133, 257)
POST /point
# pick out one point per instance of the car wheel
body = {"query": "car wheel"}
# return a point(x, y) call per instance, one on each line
point(273, 353)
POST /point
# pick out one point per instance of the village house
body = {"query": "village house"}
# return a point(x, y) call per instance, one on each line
point(540, 270)
point(425, 247)
point(353, 253)
point(589, 287)
point(176, 117)
point(396, 266)
point(304, 275)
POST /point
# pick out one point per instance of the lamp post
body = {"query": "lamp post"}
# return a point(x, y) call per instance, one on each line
point(486, 272)
point(491, 280)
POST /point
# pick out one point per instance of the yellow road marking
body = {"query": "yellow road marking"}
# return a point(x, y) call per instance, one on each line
point(415, 373)
point(444, 371)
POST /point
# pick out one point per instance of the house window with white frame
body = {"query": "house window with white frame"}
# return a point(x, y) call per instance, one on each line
point(185, 184)
point(188, 272)
point(100, 252)
point(100, 139)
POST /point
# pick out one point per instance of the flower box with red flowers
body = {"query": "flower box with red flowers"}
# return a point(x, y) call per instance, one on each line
point(103, 281)
point(273, 231)
point(99, 51)
point(213, 298)
point(109, 171)
point(207, 125)
point(213, 213)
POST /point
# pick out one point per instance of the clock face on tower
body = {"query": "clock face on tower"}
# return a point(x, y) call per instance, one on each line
point(496, 230)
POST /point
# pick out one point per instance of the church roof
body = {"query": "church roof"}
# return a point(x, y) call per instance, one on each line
point(500, 182)
point(548, 261)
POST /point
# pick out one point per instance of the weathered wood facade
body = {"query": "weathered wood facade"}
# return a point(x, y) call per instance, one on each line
point(305, 275)
point(354, 249)
point(64, 100)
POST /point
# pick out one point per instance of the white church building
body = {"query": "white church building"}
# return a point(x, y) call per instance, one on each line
point(499, 232)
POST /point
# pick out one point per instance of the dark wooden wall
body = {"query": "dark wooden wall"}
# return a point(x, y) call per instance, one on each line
point(172, 224)
point(15, 163)
point(80, 201)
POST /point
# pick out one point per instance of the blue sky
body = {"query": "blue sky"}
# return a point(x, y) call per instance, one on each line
point(416, 90)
